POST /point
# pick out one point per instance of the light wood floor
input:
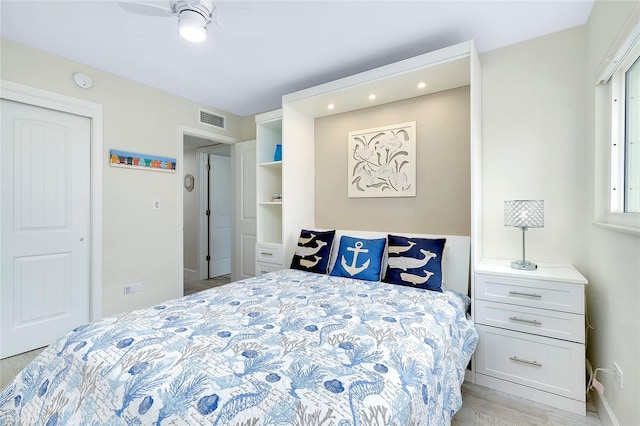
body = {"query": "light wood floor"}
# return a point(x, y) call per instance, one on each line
point(10, 367)
point(194, 286)
point(483, 406)
point(480, 406)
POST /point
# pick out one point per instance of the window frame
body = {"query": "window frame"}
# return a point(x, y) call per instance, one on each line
point(610, 131)
point(619, 141)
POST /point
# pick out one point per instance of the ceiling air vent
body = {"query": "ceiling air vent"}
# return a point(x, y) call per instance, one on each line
point(211, 119)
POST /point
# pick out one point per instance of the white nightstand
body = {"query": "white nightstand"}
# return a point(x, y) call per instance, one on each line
point(531, 326)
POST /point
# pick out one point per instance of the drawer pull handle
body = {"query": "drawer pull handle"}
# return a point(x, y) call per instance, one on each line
point(525, 320)
point(524, 361)
point(266, 254)
point(517, 293)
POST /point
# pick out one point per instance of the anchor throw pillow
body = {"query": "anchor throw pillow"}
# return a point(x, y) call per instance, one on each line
point(415, 262)
point(314, 251)
point(359, 258)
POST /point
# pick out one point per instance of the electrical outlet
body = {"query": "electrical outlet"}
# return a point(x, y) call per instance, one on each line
point(619, 375)
point(156, 204)
point(132, 288)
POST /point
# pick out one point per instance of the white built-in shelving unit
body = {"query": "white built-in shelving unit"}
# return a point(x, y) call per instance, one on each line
point(268, 184)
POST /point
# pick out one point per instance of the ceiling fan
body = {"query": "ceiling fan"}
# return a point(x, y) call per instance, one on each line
point(193, 15)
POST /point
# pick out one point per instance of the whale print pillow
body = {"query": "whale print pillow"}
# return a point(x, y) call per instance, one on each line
point(415, 262)
point(313, 251)
point(359, 258)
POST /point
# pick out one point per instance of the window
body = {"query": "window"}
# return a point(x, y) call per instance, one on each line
point(632, 139)
point(617, 132)
point(625, 135)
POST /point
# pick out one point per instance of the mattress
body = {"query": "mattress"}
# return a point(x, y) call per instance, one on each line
point(286, 348)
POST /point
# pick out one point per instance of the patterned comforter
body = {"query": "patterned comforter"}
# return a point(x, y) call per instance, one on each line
point(286, 348)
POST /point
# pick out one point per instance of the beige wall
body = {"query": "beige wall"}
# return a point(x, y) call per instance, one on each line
point(442, 204)
point(613, 293)
point(248, 128)
point(140, 245)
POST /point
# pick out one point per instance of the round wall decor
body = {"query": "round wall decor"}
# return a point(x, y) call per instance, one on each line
point(189, 182)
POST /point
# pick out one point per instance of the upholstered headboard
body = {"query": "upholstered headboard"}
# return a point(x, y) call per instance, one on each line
point(456, 255)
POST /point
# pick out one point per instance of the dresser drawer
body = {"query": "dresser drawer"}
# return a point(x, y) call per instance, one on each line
point(550, 365)
point(560, 325)
point(558, 296)
point(263, 268)
point(269, 253)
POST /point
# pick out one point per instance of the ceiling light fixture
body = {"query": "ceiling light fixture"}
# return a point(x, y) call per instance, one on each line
point(372, 97)
point(331, 106)
point(422, 85)
point(192, 26)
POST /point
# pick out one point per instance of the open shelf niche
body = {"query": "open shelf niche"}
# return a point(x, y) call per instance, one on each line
point(448, 68)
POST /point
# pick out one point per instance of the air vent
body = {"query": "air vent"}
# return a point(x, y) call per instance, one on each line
point(211, 119)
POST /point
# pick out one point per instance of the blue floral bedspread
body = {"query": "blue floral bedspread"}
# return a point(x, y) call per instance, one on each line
point(286, 348)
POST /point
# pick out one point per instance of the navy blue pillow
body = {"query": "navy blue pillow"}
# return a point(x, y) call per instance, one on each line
point(359, 258)
point(314, 251)
point(415, 262)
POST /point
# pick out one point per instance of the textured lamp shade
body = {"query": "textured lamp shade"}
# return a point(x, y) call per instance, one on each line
point(524, 214)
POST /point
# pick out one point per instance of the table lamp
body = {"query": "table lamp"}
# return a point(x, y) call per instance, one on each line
point(524, 214)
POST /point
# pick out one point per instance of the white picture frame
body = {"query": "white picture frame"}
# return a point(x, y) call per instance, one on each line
point(382, 161)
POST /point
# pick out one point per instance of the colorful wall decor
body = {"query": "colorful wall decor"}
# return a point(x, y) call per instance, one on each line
point(382, 161)
point(135, 160)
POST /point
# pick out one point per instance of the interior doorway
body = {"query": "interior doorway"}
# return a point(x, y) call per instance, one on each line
point(45, 231)
point(207, 207)
point(91, 236)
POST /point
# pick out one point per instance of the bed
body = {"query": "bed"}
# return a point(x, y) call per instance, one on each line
point(287, 348)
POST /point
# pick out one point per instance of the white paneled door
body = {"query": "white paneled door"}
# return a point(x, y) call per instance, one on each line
point(220, 220)
point(244, 157)
point(45, 225)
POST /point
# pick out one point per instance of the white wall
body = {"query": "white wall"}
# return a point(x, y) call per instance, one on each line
point(140, 245)
point(533, 146)
point(190, 201)
point(613, 293)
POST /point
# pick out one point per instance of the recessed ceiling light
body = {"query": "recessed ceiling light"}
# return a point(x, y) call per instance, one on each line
point(331, 106)
point(422, 85)
point(372, 97)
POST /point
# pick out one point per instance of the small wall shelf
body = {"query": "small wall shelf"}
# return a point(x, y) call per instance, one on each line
point(274, 164)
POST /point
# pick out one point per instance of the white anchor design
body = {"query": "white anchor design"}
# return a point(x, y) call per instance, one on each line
point(353, 269)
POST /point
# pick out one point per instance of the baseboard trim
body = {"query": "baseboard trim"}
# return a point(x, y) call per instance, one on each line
point(191, 274)
point(469, 377)
point(607, 416)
